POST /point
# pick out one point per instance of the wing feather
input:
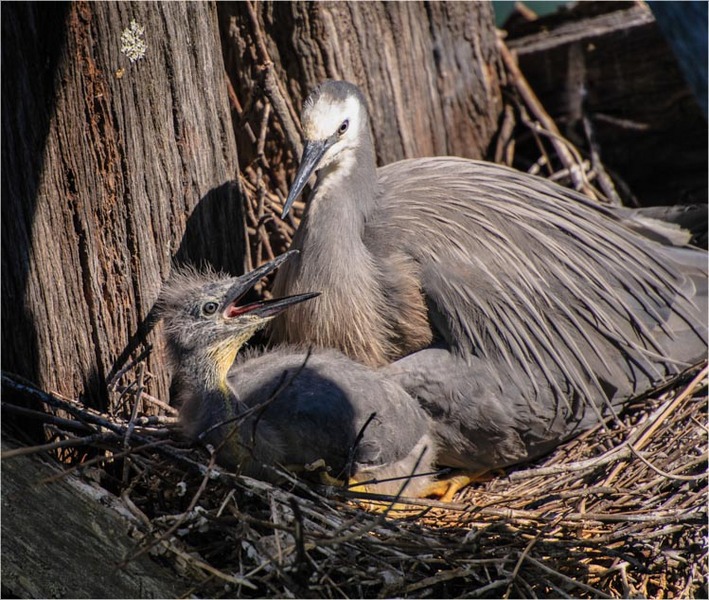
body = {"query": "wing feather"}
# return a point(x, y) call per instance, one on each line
point(524, 271)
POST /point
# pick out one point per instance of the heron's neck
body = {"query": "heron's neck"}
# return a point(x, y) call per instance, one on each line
point(346, 192)
point(335, 261)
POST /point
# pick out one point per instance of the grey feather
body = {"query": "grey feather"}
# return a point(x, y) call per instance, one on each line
point(522, 281)
point(286, 408)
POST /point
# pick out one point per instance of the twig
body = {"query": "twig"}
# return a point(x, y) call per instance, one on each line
point(46, 417)
point(604, 179)
point(84, 441)
point(670, 475)
point(99, 459)
point(535, 106)
point(191, 559)
point(618, 453)
point(159, 403)
point(134, 413)
point(166, 535)
point(525, 552)
point(113, 379)
point(596, 592)
point(284, 110)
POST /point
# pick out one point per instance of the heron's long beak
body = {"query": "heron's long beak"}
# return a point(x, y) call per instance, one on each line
point(262, 308)
point(312, 154)
point(244, 283)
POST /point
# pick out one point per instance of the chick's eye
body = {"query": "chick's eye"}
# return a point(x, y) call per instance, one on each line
point(343, 128)
point(209, 308)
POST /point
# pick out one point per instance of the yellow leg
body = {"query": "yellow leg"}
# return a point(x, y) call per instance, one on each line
point(446, 489)
point(376, 506)
point(320, 467)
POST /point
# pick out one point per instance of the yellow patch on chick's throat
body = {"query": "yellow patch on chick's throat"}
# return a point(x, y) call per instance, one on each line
point(223, 356)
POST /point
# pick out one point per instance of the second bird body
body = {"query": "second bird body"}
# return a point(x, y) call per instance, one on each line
point(524, 311)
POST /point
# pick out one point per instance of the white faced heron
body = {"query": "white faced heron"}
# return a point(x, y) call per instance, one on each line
point(523, 310)
point(285, 408)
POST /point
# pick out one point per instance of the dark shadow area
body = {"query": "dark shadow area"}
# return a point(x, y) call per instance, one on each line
point(214, 238)
point(286, 406)
point(214, 235)
point(33, 40)
point(684, 25)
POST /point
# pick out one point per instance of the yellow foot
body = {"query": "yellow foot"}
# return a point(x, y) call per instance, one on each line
point(378, 500)
point(446, 489)
point(320, 468)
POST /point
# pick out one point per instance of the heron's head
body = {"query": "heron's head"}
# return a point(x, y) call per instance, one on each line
point(335, 124)
point(204, 323)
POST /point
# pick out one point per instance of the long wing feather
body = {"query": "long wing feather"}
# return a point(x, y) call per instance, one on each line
point(521, 270)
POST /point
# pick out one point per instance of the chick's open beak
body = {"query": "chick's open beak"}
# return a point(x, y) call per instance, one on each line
point(262, 308)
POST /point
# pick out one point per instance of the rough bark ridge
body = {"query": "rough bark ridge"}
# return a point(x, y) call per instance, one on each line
point(110, 169)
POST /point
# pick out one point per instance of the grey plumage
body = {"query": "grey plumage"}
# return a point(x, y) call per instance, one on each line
point(524, 310)
point(285, 408)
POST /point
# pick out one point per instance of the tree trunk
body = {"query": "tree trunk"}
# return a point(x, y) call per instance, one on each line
point(111, 169)
point(431, 73)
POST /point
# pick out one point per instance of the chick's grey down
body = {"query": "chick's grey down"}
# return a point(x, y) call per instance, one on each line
point(285, 408)
point(516, 310)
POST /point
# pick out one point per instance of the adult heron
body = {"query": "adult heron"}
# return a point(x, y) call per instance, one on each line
point(286, 408)
point(516, 310)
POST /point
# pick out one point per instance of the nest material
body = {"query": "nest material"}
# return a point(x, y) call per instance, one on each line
point(618, 512)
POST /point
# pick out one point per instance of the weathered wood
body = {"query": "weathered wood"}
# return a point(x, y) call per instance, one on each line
point(617, 69)
point(111, 169)
point(65, 539)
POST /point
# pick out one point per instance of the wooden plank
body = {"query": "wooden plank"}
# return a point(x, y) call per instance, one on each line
point(618, 70)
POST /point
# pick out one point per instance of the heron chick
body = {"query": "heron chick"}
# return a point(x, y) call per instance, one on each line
point(519, 312)
point(286, 408)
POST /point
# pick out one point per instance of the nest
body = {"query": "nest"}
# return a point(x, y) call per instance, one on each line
point(618, 512)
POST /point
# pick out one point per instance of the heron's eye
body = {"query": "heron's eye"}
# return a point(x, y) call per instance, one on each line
point(343, 128)
point(209, 308)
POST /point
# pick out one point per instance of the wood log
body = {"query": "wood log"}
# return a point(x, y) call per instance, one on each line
point(616, 69)
point(68, 538)
point(112, 168)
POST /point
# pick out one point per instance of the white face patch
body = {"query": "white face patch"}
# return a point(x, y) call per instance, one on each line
point(326, 115)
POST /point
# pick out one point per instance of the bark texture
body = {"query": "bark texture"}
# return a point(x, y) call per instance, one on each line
point(430, 70)
point(111, 169)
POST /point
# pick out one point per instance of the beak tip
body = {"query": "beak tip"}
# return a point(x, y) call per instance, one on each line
point(287, 206)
